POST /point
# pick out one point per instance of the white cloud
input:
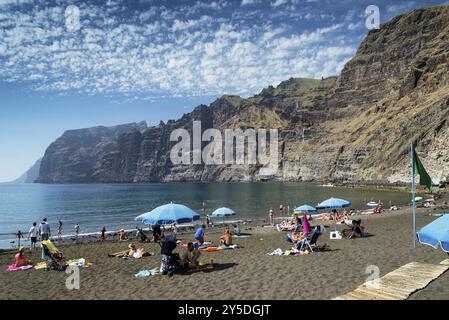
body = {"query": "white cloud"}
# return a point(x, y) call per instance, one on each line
point(161, 52)
point(278, 3)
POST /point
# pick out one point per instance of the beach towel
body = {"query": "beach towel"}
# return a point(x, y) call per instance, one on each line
point(80, 263)
point(14, 268)
point(210, 249)
point(147, 273)
point(40, 265)
point(242, 236)
point(277, 252)
point(232, 246)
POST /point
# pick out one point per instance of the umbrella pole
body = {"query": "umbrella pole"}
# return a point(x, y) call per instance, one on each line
point(413, 196)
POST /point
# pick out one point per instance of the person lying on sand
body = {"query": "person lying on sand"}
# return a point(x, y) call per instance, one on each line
point(20, 258)
point(132, 252)
point(190, 257)
point(226, 239)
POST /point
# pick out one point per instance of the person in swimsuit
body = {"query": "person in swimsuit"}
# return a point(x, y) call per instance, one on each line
point(226, 239)
point(20, 258)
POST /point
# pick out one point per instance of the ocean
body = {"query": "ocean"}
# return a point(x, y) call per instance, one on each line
point(115, 206)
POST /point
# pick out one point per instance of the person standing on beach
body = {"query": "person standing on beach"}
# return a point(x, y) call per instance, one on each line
point(59, 230)
point(33, 233)
point(44, 230)
point(271, 215)
point(77, 231)
point(103, 234)
point(281, 210)
point(19, 236)
point(157, 232)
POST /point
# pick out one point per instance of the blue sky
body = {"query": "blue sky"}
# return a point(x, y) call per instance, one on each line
point(154, 60)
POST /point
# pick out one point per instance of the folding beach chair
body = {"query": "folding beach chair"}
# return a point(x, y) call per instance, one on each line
point(310, 240)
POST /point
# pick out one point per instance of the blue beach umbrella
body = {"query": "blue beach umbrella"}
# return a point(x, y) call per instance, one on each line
point(223, 212)
point(436, 233)
point(305, 208)
point(333, 203)
point(169, 214)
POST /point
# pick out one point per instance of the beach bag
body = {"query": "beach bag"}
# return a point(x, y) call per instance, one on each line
point(336, 235)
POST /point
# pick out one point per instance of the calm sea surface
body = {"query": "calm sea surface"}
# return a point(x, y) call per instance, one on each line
point(115, 206)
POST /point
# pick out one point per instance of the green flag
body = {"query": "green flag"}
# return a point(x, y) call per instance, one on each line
point(424, 178)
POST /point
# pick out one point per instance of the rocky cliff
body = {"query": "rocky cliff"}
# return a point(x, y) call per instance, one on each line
point(354, 127)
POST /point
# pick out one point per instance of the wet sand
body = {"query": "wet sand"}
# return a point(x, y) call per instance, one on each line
point(246, 273)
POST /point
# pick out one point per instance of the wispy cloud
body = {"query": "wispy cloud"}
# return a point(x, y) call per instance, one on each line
point(154, 49)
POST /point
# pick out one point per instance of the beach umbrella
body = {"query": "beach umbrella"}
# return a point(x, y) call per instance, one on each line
point(333, 203)
point(436, 233)
point(169, 214)
point(304, 208)
point(223, 212)
point(305, 225)
point(372, 204)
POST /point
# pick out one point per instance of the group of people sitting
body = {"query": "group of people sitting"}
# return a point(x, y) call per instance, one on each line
point(335, 216)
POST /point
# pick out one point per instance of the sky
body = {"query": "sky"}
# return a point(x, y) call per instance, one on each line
point(75, 64)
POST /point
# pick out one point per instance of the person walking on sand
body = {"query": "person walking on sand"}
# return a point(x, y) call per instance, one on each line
point(44, 230)
point(19, 236)
point(271, 215)
point(103, 234)
point(77, 231)
point(59, 228)
point(33, 233)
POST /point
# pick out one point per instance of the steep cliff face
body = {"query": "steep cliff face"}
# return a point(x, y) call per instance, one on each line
point(74, 156)
point(357, 126)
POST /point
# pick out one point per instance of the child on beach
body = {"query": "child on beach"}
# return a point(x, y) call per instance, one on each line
point(19, 236)
point(271, 216)
point(33, 233)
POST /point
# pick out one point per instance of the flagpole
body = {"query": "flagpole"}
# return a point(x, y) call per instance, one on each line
point(413, 195)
